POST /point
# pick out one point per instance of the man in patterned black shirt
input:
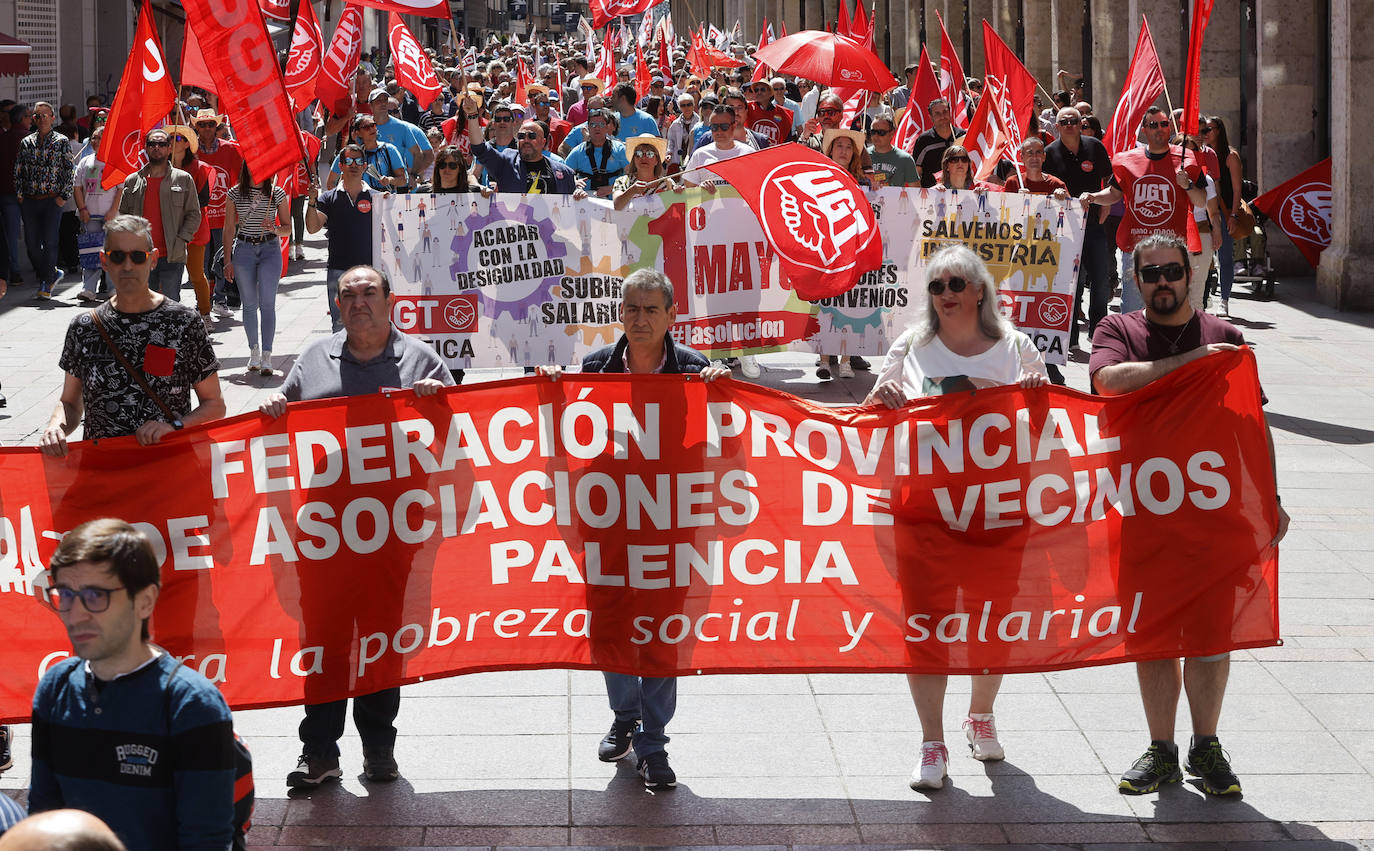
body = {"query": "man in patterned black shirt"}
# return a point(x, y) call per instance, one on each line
point(163, 341)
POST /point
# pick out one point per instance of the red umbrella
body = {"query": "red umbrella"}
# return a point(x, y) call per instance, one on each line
point(829, 58)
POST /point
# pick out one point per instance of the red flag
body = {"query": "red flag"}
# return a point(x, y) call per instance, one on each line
point(665, 57)
point(193, 70)
point(761, 70)
point(277, 10)
point(423, 8)
point(952, 83)
point(413, 70)
point(1144, 83)
point(1010, 84)
point(642, 77)
point(861, 28)
point(307, 56)
point(986, 139)
point(916, 119)
point(1202, 11)
point(241, 59)
point(524, 78)
point(605, 64)
point(144, 98)
point(334, 87)
point(842, 25)
point(1301, 207)
point(815, 217)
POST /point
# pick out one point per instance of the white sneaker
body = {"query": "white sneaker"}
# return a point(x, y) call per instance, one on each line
point(299, 252)
point(265, 365)
point(749, 366)
point(1226, 308)
point(981, 731)
point(221, 310)
point(254, 359)
point(845, 369)
point(933, 769)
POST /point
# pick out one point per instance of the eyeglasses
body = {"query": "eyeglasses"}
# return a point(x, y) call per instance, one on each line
point(956, 285)
point(353, 160)
point(1164, 123)
point(1171, 271)
point(953, 160)
point(95, 600)
point(596, 125)
point(1206, 130)
point(829, 111)
point(502, 119)
point(529, 134)
point(1070, 122)
point(876, 132)
point(157, 143)
point(118, 256)
point(448, 164)
point(646, 152)
point(721, 128)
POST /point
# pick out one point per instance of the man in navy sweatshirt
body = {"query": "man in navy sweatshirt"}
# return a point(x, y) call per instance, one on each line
point(122, 730)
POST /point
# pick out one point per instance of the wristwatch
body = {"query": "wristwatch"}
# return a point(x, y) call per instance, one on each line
point(178, 425)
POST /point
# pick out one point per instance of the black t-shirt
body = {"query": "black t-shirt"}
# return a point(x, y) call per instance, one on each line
point(1086, 170)
point(538, 177)
point(348, 226)
point(928, 150)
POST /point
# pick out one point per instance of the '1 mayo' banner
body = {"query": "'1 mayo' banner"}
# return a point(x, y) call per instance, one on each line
point(522, 280)
point(662, 525)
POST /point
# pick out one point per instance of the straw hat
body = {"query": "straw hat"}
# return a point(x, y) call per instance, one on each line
point(589, 80)
point(656, 142)
point(188, 133)
point(536, 87)
point(830, 135)
point(207, 115)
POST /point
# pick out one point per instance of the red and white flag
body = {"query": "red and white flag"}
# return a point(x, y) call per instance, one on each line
point(986, 139)
point(470, 61)
point(423, 8)
point(605, 64)
point(1144, 83)
point(761, 71)
point(815, 217)
point(1010, 85)
point(142, 102)
point(605, 11)
point(276, 10)
point(1192, 77)
point(861, 27)
point(306, 57)
point(1301, 207)
point(413, 70)
point(952, 81)
point(646, 30)
point(642, 75)
point(252, 92)
point(334, 86)
point(665, 57)
point(916, 119)
point(842, 23)
point(523, 80)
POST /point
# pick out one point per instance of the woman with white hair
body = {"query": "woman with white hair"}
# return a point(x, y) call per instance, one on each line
point(960, 341)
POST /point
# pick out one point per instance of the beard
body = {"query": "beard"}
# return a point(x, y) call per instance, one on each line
point(1165, 302)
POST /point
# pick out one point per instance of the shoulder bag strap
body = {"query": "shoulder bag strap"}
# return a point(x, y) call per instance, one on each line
point(135, 374)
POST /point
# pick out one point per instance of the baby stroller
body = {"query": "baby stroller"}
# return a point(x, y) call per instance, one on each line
point(1252, 253)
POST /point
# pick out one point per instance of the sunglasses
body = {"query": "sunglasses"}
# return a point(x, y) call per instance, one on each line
point(1171, 271)
point(182, 139)
point(646, 152)
point(829, 111)
point(956, 285)
point(952, 160)
point(1070, 122)
point(596, 125)
point(539, 103)
point(157, 143)
point(1209, 130)
point(1154, 125)
point(118, 256)
point(96, 600)
point(363, 127)
point(354, 160)
point(876, 132)
point(502, 119)
point(529, 134)
point(721, 128)
point(448, 164)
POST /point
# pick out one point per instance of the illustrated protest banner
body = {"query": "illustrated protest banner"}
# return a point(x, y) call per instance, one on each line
point(520, 280)
point(662, 525)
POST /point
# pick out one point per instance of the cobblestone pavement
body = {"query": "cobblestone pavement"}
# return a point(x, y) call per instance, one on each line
point(508, 759)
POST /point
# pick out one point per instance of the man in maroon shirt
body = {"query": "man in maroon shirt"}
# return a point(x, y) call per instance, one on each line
point(1037, 182)
point(1131, 350)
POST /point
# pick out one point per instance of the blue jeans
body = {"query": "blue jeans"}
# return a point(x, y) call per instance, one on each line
point(649, 700)
point(42, 223)
point(9, 210)
point(1094, 274)
point(331, 294)
point(373, 715)
point(1226, 261)
point(257, 271)
point(166, 278)
point(1131, 299)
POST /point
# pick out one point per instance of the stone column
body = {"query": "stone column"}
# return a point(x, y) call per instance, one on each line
point(1038, 22)
point(1285, 106)
point(1345, 279)
point(1220, 88)
point(977, 11)
point(1066, 41)
point(1114, 35)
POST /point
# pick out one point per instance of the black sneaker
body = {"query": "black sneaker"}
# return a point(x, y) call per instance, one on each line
point(313, 770)
point(656, 772)
point(379, 766)
point(6, 737)
point(617, 742)
point(856, 362)
point(1208, 761)
point(1157, 766)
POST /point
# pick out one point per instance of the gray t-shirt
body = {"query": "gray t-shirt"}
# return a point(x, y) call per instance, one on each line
point(897, 168)
point(326, 369)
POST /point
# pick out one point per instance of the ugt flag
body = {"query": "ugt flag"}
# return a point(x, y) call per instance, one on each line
point(1301, 207)
point(145, 95)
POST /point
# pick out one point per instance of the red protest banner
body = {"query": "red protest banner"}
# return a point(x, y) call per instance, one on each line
point(145, 95)
point(605, 11)
point(423, 8)
point(1301, 207)
point(813, 213)
point(240, 56)
point(657, 525)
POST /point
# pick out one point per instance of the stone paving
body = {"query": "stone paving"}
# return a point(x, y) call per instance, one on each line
point(508, 759)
